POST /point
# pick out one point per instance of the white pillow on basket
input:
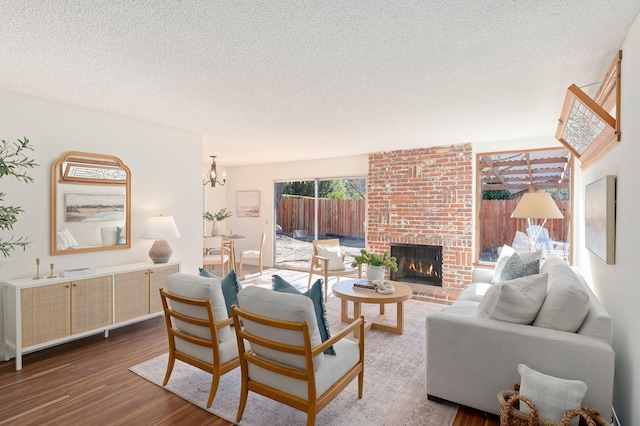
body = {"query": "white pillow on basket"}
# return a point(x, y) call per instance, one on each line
point(551, 395)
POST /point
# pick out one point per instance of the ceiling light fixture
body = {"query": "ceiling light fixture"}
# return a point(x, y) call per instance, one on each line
point(213, 174)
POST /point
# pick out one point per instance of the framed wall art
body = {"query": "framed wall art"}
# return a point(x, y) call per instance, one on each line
point(248, 203)
point(94, 207)
point(600, 218)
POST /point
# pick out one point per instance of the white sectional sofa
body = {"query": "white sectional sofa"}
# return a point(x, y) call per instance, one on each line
point(470, 359)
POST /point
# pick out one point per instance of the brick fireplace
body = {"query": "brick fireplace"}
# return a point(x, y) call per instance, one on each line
point(424, 197)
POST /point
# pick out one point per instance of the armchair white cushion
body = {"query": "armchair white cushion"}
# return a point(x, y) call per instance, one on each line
point(284, 307)
point(197, 287)
point(290, 319)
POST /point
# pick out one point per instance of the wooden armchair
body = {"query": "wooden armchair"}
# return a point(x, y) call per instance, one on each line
point(286, 361)
point(194, 335)
point(328, 261)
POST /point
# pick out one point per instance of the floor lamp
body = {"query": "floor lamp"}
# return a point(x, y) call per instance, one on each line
point(535, 206)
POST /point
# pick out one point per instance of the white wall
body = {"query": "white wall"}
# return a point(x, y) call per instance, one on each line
point(618, 285)
point(262, 178)
point(161, 161)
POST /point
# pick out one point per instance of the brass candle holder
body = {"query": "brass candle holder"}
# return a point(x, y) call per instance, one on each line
point(51, 273)
point(38, 276)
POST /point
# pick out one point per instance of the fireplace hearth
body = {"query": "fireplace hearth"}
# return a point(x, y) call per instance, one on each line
point(420, 264)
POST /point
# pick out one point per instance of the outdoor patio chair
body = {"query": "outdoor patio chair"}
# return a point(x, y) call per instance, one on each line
point(328, 261)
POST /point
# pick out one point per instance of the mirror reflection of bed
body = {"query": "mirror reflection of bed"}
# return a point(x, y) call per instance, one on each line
point(90, 203)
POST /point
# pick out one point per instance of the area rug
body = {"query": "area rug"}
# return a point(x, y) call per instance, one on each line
point(394, 384)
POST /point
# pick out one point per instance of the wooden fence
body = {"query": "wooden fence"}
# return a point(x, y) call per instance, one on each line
point(498, 228)
point(346, 218)
point(335, 217)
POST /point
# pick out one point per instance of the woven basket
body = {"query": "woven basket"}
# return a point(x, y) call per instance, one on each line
point(510, 415)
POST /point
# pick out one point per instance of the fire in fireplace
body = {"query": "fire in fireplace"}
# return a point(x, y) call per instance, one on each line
point(421, 264)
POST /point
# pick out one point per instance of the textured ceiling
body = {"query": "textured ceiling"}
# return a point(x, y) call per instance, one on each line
point(267, 81)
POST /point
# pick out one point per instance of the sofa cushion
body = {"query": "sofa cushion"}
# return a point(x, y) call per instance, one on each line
point(565, 307)
point(551, 395)
point(475, 292)
point(333, 254)
point(87, 236)
point(519, 265)
point(517, 301)
point(315, 294)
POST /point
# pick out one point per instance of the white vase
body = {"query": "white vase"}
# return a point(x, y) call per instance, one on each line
point(215, 228)
point(375, 273)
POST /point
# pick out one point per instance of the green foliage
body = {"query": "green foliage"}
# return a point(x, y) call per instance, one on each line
point(496, 194)
point(372, 259)
point(339, 189)
point(222, 214)
point(13, 162)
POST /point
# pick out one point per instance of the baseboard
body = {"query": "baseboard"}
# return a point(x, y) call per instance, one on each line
point(615, 421)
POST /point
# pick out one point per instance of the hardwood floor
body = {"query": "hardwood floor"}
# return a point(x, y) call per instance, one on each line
point(88, 382)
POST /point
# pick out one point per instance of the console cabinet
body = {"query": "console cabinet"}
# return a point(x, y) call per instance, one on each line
point(51, 311)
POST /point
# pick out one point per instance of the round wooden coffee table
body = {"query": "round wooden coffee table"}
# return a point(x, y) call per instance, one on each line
point(345, 291)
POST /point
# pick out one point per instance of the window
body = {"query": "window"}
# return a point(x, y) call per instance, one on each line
point(502, 178)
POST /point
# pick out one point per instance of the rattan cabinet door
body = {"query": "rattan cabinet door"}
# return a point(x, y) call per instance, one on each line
point(45, 313)
point(131, 295)
point(158, 280)
point(91, 304)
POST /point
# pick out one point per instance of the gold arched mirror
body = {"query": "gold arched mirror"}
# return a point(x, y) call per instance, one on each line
point(90, 203)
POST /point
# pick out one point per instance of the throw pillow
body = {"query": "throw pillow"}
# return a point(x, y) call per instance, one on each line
point(333, 254)
point(505, 254)
point(565, 307)
point(64, 240)
point(230, 287)
point(552, 396)
point(316, 296)
point(517, 301)
point(517, 268)
point(109, 235)
point(122, 238)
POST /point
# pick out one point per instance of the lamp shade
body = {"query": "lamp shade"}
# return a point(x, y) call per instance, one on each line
point(537, 205)
point(160, 227)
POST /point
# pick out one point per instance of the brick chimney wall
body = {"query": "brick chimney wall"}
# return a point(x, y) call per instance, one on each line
point(424, 196)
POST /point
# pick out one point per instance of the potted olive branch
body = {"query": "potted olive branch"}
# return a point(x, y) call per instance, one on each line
point(376, 263)
point(13, 162)
point(216, 218)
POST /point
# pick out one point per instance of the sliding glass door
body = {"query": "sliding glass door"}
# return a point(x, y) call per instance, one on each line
point(318, 209)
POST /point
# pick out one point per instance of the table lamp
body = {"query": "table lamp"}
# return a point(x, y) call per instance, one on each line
point(160, 228)
point(536, 205)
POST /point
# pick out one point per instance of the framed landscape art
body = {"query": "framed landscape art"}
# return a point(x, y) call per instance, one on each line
point(248, 203)
point(94, 207)
point(600, 218)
